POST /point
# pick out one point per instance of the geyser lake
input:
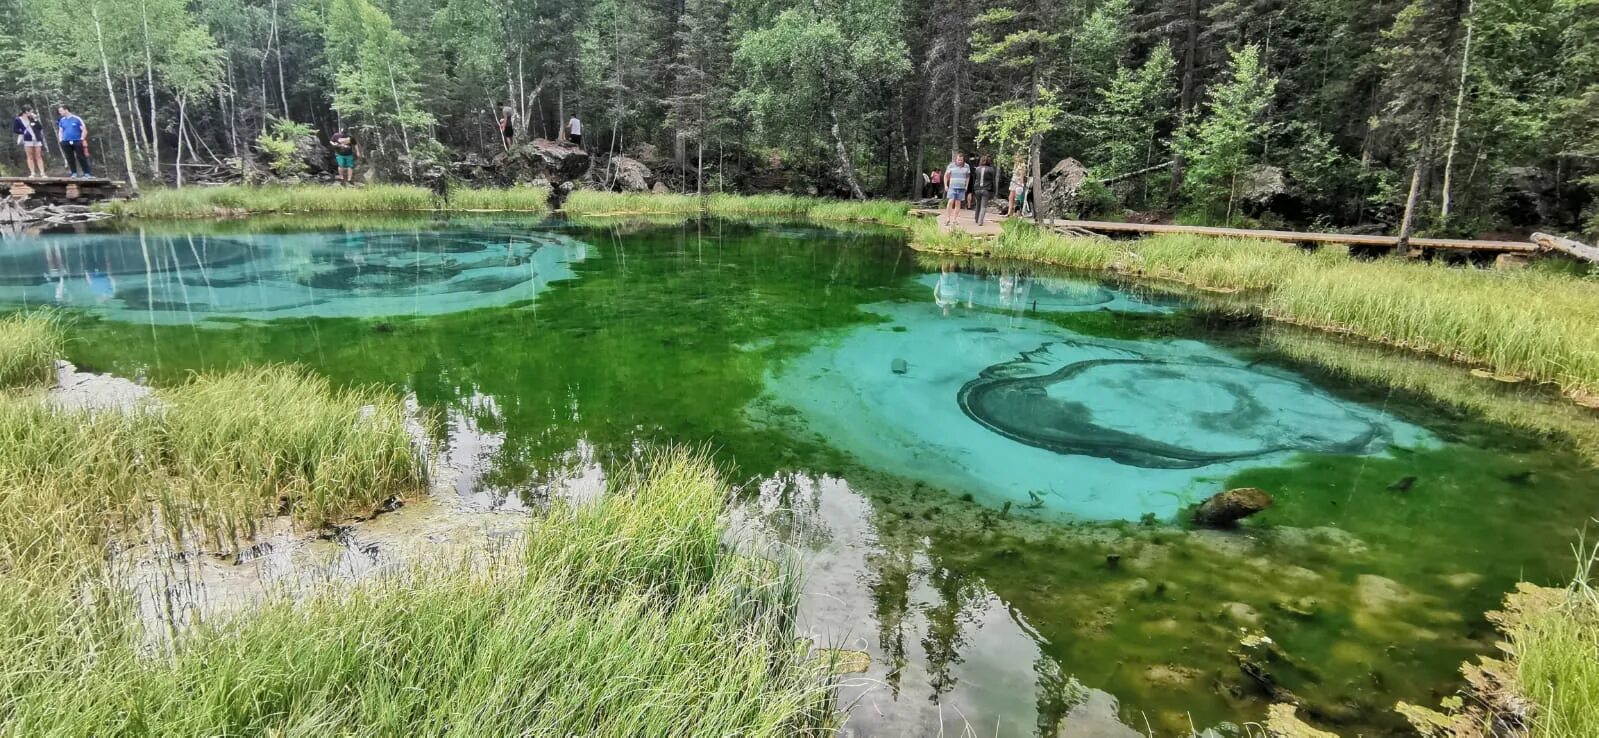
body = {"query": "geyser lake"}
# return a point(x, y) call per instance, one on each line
point(982, 467)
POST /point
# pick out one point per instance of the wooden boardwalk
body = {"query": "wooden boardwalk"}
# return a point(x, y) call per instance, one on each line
point(1078, 227)
point(62, 189)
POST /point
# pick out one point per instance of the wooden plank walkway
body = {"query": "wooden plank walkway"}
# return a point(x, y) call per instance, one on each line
point(1076, 227)
point(62, 188)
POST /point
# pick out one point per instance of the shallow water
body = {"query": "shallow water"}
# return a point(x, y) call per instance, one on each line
point(982, 467)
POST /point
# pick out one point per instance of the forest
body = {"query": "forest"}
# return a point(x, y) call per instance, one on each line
point(1476, 116)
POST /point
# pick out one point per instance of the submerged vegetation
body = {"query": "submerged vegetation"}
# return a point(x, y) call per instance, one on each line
point(626, 617)
point(205, 202)
point(1531, 323)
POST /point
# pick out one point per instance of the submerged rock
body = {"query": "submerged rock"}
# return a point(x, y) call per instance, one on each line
point(899, 366)
point(843, 661)
point(1281, 722)
point(1225, 509)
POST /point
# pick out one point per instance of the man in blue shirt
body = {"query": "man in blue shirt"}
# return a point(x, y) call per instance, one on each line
point(74, 136)
point(956, 177)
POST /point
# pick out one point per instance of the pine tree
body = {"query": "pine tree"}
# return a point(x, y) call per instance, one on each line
point(1123, 131)
point(698, 106)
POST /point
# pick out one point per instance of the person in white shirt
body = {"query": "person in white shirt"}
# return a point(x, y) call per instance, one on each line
point(574, 131)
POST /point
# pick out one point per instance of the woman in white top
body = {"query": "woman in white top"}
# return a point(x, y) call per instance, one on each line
point(574, 131)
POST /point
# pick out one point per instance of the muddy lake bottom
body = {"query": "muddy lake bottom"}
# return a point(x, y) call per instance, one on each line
point(981, 467)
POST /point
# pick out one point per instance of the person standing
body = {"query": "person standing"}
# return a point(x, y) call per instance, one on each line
point(574, 131)
point(73, 134)
point(938, 183)
point(30, 136)
point(956, 177)
point(507, 125)
point(982, 187)
point(1018, 183)
point(345, 151)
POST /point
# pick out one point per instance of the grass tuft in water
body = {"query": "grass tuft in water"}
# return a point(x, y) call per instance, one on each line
point(205, 202)
point(29, 345)
point(206, 459)
point(626, 617)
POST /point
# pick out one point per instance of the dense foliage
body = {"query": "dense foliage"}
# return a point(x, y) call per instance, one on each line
point(1478, 114)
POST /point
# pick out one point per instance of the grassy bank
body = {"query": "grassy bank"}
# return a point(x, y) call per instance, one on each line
point(1555, 652)
point(205, 202)
point(628, 617)
point(1528, 323)
point(588, 202)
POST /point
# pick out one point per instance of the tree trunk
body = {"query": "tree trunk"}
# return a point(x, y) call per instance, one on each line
point(1190, 54)
point(177, 164)
point(149, 82)
point(1407, 223)
point(1454, 126)
point(399, 117)
point(283, 82)
point(111, 92)
point(845, 167)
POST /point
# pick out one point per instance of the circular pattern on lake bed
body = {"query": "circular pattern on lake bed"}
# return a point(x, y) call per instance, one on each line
point(1163, 414)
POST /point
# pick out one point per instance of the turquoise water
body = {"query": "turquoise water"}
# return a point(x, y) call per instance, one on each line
point(981, 467)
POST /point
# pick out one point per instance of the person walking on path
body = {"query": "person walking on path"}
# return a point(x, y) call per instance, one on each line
point(30, 136)
point(982, 187)
point(938, 183)
point(73, 134)
point(956, 177)
point(345, 151)
point(574, 131)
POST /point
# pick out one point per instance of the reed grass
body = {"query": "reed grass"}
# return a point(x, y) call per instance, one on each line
point(1531, 323)
point(201, 463)
point(592, 202)
point(1555, 652)
point(29, 345)
point(205, 202)
point(627, 617)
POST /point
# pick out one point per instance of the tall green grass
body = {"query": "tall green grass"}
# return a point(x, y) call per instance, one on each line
point(205, 202)
point(628, 617)
point(1531, 323)
point(29, 345)
point(591, 202)
point(202, 462)
point(1555, 652)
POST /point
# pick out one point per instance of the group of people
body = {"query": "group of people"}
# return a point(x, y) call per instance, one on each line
point(962, 185)
point(573, 129)
point(71, 132)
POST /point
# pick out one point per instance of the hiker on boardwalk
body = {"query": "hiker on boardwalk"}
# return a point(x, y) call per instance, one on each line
point(345, 151)
point(74, 137)
point(982, 186)
point(956, 177)
point(574, 131)
point(30, 136)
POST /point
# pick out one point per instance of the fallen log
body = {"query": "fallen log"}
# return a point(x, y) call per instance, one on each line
point(1146, 170)
point(1580, 250)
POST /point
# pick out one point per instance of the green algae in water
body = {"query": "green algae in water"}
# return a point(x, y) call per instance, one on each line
point(1004, 619)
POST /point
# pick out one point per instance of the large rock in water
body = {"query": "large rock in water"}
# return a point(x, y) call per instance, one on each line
point(1225, 509)
point(555, 161)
